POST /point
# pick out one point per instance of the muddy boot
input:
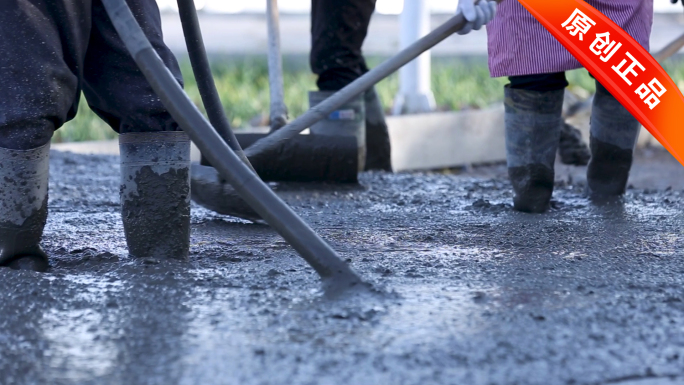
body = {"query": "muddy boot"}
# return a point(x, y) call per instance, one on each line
point(573, 150)
point(378, 149)
point(533, 123)
point(212, 192)
point(155, 194)
point(348, 120)
point(614, 132)
point(23, 207)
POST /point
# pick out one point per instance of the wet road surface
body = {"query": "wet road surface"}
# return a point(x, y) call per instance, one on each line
point(474, 293)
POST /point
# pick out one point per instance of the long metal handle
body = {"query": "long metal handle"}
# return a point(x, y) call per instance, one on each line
point(358, 86)
point(278, 113)
point(670, 49)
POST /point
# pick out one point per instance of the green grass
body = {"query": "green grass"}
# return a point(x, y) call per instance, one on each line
point(242, 82)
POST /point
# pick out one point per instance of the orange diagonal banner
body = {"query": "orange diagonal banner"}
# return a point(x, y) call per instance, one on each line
point(616, 60)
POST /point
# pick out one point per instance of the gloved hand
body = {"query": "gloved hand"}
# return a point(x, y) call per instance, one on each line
point(477, 15)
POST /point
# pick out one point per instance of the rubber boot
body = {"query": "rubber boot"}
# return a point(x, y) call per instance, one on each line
point(348, 120)
point(614, 132)
point(155, 194)
point(378, 149)
point(23, 207)
point(533, 124)
point(573, 150)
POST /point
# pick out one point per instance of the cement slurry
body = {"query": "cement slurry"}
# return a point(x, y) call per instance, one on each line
point(474, 293)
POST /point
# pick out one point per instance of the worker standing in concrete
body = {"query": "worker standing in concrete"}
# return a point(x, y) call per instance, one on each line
point(52, 50)
point(338, 29)
point(535, 63)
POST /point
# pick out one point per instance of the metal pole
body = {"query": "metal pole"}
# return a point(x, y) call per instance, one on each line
point(415, 94)
point(670, 49)
point(278, 113)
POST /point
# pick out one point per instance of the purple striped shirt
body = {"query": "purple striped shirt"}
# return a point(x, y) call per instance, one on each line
point(520, 45)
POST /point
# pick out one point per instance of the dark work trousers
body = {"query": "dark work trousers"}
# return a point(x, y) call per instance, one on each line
point(52, 49)
point(542, 82)
point(338, 29)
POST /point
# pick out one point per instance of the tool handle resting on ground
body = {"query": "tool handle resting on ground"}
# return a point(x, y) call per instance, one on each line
point(358, 86)
point(334, 272)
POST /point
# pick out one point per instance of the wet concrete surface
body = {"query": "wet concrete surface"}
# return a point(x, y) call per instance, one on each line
point(475, 293)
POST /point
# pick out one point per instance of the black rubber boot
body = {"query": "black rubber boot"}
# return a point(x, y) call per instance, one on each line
point(614, 132)
point(23, 207)
point(155, 194)
point(533, 123)
point(378, 149)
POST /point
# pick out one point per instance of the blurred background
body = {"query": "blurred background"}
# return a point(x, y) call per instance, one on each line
point(235, 36)
point(392, 7)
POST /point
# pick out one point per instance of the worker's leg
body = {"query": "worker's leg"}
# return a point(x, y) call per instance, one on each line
point(338, 29)
point(534, 105)
point(40, 48)
point(114, 87)
point(155, 154)
point(614, 132)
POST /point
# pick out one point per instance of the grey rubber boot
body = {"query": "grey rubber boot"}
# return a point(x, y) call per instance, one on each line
point(348, 120)
point(155, 194)
point(614, 133)
point(533, 124)
point(378, 149)
point(23, 207)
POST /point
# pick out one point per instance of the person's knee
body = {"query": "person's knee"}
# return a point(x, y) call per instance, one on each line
point(539, 82)
point(26, 136)
point(161, 121)
point(137, 114)
point(34, 105)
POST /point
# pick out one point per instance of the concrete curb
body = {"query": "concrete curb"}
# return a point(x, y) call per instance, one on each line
point(447, 139)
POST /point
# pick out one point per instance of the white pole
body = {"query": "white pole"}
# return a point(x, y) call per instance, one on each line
point(275, 67)
point(415, 93)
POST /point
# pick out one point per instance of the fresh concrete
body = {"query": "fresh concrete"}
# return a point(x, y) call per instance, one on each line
point(475, 293)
